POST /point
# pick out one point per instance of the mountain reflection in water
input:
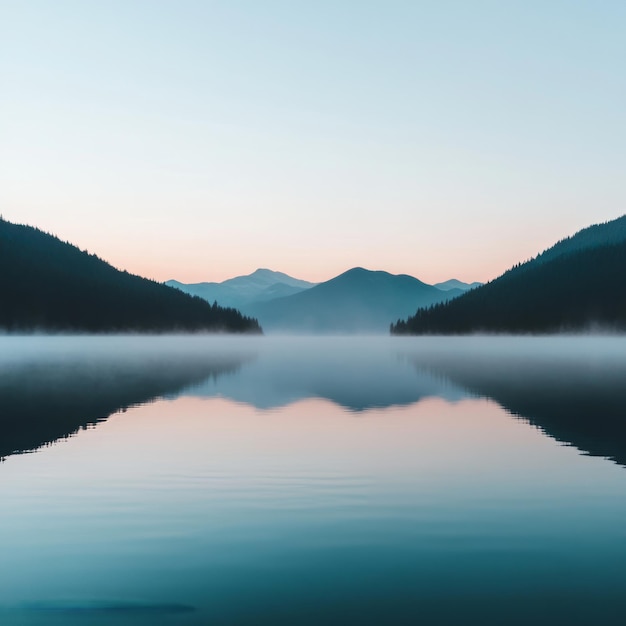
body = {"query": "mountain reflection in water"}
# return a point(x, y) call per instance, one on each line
point(573, 389)
point(312, 481)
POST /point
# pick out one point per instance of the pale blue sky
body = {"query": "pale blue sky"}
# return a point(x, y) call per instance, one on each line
point(200, 140)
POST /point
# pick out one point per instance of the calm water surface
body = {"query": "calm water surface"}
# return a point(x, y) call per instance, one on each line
point(204, 480)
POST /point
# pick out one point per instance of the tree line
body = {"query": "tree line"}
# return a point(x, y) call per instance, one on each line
point(576, 291)
point(50, 285)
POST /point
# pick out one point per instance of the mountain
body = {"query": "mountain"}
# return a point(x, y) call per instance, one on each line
point(261, 285)
point(578, 284)
point(47, 284)
point(278, 290)
point(456, 284)
point(358, 300)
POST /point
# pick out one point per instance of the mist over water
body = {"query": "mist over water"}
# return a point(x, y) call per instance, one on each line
point(270, 480)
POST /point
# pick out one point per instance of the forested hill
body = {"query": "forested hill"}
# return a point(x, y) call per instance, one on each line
point(578, 290)
point(605, 234)
point(50, 285)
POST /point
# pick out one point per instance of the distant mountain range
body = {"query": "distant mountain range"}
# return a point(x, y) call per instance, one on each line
point(578, 284)
point(358, 300)
point(456, 284)
point(242, 291)
point(49, 285)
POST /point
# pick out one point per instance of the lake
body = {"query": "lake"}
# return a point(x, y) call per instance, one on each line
point(314, 480)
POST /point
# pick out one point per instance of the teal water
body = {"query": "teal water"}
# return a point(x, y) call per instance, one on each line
point(207, 480)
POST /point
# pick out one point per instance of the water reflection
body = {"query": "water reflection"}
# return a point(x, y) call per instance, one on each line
point(52, 387)
point(310, 481)
point(357, 375)
point(573, 389)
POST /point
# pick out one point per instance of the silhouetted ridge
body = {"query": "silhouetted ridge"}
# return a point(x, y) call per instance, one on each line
point(579, 284)
point(46, 284)
point(604, 234)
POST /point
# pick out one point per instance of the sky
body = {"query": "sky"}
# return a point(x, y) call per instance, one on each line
point(199, 140)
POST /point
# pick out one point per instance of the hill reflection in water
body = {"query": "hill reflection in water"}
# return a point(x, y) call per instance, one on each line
point(571, 388)
point(54, 386)
point(310, 481)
